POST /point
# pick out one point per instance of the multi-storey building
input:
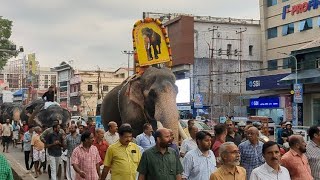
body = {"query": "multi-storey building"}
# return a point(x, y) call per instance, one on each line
point(64, 72)
point(290, 36)
point(87, 88)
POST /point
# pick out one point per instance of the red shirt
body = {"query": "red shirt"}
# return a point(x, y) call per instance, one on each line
point(216, 146)
point(102, 148)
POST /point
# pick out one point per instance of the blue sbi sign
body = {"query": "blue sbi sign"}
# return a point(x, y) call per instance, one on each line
point(265, 102)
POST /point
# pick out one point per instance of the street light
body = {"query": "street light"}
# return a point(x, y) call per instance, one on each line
point(296, 80)
point(129, 53)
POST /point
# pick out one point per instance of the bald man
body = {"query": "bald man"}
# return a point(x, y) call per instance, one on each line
point(112, 136)
point(161, 156)
point(295, 160)
point(251, 151)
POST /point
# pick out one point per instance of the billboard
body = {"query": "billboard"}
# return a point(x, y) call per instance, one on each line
point(183, 96)
point(150, 43)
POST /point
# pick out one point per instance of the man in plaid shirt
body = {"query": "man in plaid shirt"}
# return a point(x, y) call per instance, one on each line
point(85, 159)
point(251, 151)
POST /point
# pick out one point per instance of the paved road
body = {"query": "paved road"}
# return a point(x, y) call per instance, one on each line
point(16, 160)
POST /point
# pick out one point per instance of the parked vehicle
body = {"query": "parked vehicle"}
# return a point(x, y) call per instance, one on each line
point(200, 125)
point(264, 119)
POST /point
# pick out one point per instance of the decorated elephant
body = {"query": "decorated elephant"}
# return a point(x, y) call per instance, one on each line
point(37, 114)
point(149, 98)
point(152, 40)
point(10, 111)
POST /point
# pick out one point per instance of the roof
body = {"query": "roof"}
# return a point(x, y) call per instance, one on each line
point(312, 44)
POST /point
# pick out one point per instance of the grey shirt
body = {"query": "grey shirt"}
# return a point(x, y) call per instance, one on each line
point(72, 142)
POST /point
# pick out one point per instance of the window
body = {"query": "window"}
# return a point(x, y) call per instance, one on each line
point(229, 46)
point(250, 50)
point(89, 87)
point(286, 63)
point(272, 65)
point(45, 76)
point(105, 88)
point(288, 29)
point(272, 32)
point(271, 2)
point(305, 24)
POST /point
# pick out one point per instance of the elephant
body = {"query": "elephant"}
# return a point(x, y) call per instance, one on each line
point(147, 98)
point(152, 39)
point(10, 111)
point(36, 114)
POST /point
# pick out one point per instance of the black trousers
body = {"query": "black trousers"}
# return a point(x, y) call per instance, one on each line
point(26, 160)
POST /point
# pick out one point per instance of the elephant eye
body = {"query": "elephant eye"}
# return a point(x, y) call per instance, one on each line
point(152, 93)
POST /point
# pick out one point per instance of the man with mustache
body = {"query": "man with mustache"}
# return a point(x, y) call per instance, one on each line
point(295, 160)
point(123, 157)
point(271, 169)
point(229, 156)
point(160, 161)
point(199, 163)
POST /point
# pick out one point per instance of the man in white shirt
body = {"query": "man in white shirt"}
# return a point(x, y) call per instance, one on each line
point(199, 163)
point(189, 143)
point(146, 140)
point(271, 169)
point(111, 135)
point(6, 135)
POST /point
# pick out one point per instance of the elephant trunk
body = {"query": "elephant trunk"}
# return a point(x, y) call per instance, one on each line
point(167, 113)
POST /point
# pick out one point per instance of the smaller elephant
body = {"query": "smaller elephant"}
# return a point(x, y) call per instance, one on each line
point(152, 40)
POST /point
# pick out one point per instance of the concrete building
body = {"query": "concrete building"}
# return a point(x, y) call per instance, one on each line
point(86, 86)
point(290, 31)
point(46, 78)
point(65, 72)
point(217, 54)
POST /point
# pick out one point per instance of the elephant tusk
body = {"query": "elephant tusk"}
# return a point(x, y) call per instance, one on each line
point(181, 132)
point(159, 125)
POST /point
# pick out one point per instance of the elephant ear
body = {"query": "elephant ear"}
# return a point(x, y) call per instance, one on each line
point(134, 91)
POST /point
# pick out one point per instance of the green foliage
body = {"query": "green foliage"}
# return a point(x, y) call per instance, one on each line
point(7, 47)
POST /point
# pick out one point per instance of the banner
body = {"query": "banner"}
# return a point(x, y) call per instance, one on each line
point(298, 93)
point(198, 101)
point(31, 68)
point(150, 42)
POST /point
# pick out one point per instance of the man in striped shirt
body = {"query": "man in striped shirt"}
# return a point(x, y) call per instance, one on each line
point(313, 151)
point(72, 141)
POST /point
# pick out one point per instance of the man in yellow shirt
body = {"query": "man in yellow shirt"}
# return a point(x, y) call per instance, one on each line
point(230, 159)
point(123, 157)
point(190, 123)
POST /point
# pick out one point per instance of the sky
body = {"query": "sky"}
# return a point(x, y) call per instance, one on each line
point(94, 33)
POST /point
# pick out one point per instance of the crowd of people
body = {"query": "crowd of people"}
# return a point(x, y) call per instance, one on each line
point(85, 152)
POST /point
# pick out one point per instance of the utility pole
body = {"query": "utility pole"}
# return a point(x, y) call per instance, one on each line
point(241, 30)
point(210, 92)
point(129, 53)
point(98, 83)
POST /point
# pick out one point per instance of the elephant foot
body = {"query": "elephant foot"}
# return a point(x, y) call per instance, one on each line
point(157, 57)
point(150, 59)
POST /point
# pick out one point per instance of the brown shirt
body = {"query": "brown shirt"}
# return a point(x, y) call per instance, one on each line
point(298, 166)
point(36, 142)
point(222, 173)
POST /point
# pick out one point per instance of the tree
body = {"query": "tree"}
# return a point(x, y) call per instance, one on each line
point(7, 47)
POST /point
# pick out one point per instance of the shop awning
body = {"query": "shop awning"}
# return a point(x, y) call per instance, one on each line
point(305, 76)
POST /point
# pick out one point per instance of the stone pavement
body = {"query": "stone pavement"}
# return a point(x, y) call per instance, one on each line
point(16, 159)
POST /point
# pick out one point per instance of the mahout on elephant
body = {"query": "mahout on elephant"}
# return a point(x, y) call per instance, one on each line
point(152, 40)
point(41, 113)
point(150, 97)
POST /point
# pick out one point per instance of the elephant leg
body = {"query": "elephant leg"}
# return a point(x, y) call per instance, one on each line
point(150, 53)
point(155, 50)
point(159, 48)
